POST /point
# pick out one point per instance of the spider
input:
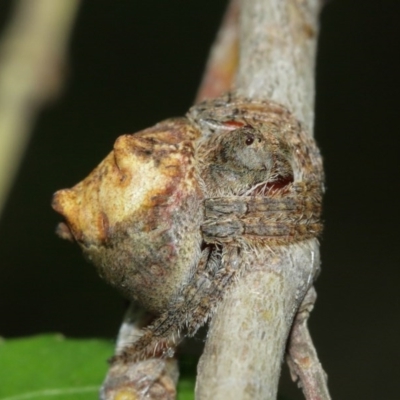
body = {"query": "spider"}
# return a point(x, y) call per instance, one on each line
point(168, 213)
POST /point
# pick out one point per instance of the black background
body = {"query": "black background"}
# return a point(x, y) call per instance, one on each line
point(136, 62)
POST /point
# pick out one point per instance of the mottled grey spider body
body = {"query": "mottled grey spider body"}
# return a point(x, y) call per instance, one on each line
point(247, 162)
point(244, 175)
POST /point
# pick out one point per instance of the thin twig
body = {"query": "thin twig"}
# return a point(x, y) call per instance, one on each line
point(302, 357)
point(32, 55)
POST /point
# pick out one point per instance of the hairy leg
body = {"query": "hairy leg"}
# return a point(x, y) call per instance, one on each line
point(153, 378)
point(217, 269)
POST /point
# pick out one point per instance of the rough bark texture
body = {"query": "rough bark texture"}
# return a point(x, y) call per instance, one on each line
point(247, 337)
point(277, 53)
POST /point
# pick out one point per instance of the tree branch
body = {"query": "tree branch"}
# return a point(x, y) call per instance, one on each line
point(277, 54)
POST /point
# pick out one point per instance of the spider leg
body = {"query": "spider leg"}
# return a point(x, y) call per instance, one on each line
point(151, 378)
point(216, 270)
point(279, 218)
point(230, 222)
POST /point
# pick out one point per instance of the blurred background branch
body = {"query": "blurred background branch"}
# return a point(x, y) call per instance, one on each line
point(32, 66)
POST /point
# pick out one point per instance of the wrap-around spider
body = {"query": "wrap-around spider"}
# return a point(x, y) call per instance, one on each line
point(168, 214)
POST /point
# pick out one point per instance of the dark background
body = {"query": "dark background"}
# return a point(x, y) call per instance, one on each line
point(133, 63)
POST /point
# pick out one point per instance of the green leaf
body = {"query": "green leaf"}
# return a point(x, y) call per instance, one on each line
point(50, 367)
point(187, 366)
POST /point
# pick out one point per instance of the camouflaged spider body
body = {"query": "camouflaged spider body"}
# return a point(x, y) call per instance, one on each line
point(166, 216)
point(251, 155)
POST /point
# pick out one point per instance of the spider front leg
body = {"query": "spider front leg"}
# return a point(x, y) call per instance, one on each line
point(281, 217)
point(191, 309)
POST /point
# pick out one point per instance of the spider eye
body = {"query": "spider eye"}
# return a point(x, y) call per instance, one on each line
point(249, 140)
